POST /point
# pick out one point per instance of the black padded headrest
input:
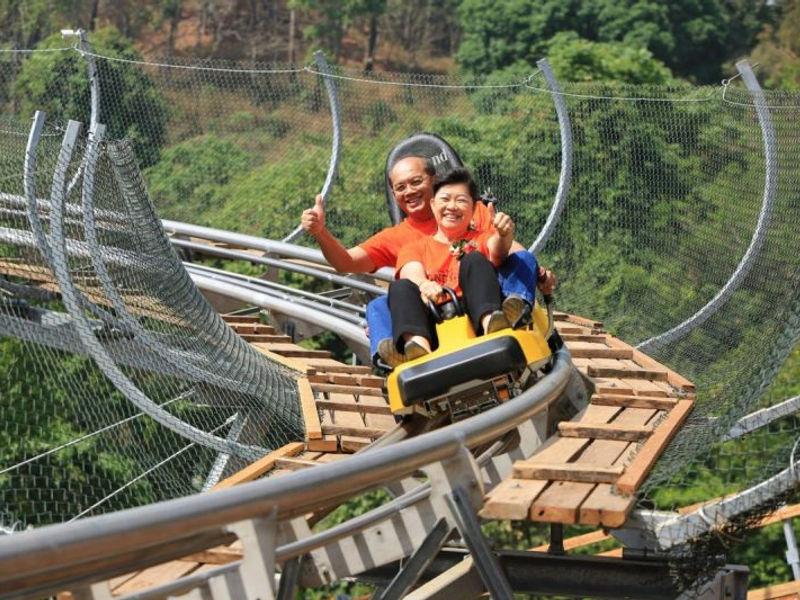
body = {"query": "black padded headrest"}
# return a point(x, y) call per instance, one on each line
point(428, 145)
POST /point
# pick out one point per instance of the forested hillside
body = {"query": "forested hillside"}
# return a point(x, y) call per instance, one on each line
point(695, 39)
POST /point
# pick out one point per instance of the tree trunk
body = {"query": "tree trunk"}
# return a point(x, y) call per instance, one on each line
point(292, 26)
point(93, 15)
point(173, 28)
point(372, 40)
point(253, 15)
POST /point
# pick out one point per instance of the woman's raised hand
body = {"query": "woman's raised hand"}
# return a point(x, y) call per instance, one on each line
point(503, 223)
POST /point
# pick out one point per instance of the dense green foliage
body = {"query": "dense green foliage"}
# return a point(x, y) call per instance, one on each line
point(42, 413)
point(334, 18)
point(577, 59)
point(692, 37)
point(191, 178)
point(57, 83)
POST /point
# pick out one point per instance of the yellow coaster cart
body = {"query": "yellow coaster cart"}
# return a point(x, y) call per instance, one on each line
point(467, 374)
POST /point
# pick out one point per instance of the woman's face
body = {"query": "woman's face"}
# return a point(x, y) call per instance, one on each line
point(452, 208)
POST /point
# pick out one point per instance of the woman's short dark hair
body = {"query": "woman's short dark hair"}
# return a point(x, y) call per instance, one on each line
point(457, 175)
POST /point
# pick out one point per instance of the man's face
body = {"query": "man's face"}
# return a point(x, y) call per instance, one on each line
point(412, 187)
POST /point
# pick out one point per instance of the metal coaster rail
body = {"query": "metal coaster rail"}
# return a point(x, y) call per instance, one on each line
point(49, 559)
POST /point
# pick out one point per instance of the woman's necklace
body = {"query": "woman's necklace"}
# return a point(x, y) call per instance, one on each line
point(459, 248)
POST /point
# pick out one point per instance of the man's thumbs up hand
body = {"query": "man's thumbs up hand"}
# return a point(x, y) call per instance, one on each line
point(313, 219)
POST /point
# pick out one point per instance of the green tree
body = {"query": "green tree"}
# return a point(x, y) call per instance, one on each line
point(25, 23)
point(692, 37)
point(189, 182)
point(576, 59)
point(40, 406)
point(331, 19)
point(778, 49)
point(57, 82)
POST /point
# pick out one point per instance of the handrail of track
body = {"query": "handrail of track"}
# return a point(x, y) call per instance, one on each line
point(54, 557)
point(354, 312)
point(257, 243)
point(290, 308)
point(281, 264)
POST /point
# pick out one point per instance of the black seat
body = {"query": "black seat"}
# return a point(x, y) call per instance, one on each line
point(428, 145)
point(481, 362)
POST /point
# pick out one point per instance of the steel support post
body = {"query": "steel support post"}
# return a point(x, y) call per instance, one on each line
point(418, 562)
point(486, 562)
point(257, 571)
point(231, 586)
point(556, 539)
point(729, 583)
point(792, 556)
point(94, 80)
point(288, 582)
point(95, 591)
point(200, 593)
point(215, 473)
point(85, 50)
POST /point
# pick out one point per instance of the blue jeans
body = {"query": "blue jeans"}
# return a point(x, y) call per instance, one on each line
point(517, 275)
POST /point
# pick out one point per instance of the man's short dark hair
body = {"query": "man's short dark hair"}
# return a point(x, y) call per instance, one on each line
point(457, 175)
point(430, 170)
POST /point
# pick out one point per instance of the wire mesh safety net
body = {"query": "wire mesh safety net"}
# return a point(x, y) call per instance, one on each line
point(135, 392)
point(667, 190)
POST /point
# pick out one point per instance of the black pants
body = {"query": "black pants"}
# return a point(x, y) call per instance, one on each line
point(410, 315)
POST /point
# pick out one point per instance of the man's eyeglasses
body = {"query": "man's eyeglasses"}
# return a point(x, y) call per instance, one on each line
point(412, 184)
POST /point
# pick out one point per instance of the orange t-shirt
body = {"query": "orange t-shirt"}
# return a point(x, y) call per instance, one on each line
point(383, 247)
point(440, 263)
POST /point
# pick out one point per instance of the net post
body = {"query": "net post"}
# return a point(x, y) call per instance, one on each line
point(792, 556)
point(336, 123)
point(567, 151)
point(85, 50)
point(762, 225)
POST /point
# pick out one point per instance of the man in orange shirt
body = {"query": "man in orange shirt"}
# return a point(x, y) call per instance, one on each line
point(411, 179)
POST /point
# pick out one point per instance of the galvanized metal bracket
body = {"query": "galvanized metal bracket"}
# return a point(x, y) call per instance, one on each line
point(256, 575)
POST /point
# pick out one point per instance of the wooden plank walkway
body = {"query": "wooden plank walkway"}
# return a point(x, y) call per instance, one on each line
point(637, 407)
point(588, 473)
point(344, 407)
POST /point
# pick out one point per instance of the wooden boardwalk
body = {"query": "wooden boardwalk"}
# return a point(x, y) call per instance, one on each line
point(589, 471)
point(637, 407)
